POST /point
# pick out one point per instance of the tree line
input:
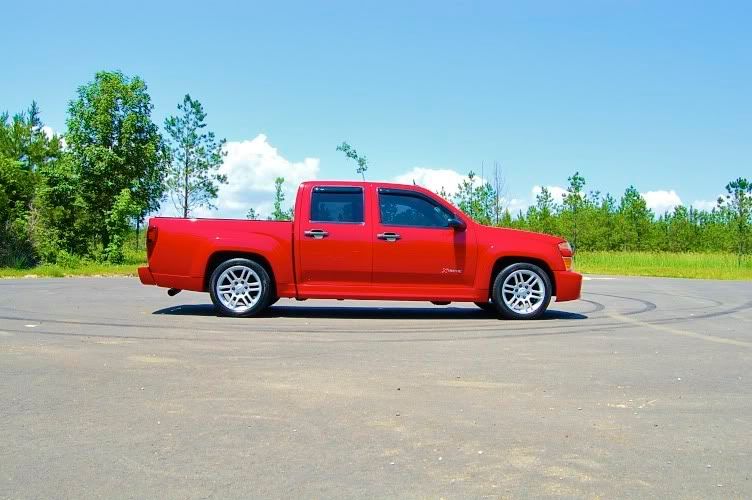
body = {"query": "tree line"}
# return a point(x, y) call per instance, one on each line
point(80, 193)
point(591, 220)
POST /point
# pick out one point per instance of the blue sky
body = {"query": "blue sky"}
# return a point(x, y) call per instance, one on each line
point(655, 94)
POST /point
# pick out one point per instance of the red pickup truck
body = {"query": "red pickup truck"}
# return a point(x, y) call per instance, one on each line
point(361, 240)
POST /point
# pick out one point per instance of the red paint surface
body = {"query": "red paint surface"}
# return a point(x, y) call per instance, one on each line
point(351, 262)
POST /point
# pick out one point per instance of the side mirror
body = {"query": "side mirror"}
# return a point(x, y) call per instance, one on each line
point(456, 224)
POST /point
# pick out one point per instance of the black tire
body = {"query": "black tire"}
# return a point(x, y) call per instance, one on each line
point(488, 307)
point(527, 270)
point(257, 274)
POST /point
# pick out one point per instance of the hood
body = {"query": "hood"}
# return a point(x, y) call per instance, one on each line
point(528, 235)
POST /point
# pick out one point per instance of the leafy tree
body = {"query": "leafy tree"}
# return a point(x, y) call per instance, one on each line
point(635, 221)
point(114, 146)
point(279, 197)
point(478, 200)
point(677, 230)
point(252, 215)
point(65, 220)
point(506, 219)
point(24, 149)
point(573, 203)
point(738, 205)
point(600, 223)
point(542, 215)
point(361, 161)
point(443, 193)
point(24, 139)
point(123, 210)
point(193, 177)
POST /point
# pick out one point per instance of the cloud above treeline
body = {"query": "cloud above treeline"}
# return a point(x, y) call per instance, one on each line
point(659, 201)
point(252, 165)
point(435, 179)
point(662, 201)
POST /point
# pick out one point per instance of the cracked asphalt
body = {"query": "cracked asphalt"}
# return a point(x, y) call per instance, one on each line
point(114, 390)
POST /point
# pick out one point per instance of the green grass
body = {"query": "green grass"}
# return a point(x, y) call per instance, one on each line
point(84, 269)
point(674, 265)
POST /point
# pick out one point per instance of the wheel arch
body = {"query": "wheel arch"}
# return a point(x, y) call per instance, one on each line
point(216, 258)
point(508, 260)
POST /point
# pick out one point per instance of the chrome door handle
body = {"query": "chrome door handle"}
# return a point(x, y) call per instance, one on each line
point(388, 236)
point(316, 234)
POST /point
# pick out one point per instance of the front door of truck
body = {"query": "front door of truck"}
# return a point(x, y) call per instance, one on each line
point(415, 251)
point(334, 242)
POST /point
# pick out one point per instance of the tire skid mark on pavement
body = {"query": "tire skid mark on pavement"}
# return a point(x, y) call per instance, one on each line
point(597, 306)
point(491, 324)
point(622, 322)
point(647, 305)
point(372, 313)
point(677, 331)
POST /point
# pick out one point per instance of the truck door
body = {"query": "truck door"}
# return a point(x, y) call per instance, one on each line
point(334, 241)
point(415, 247)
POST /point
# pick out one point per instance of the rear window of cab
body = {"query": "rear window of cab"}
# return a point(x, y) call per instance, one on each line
point(342, 204)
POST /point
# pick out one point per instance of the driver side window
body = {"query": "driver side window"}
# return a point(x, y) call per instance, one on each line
point(408, 209)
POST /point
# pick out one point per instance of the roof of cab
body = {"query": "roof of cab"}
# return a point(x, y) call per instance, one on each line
point(325, 182)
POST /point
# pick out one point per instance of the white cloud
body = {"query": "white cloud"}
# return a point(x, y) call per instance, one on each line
point(251, 167)
point(516, 205)
point(705, 204)
point(48, 131)
point(435, 179)
point(557, 193)
point(661, 201)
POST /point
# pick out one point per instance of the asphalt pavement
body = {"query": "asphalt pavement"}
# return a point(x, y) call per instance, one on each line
point(110, 389)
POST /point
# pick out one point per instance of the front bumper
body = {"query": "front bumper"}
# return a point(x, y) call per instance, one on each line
point(144, 274)
point(568, 285)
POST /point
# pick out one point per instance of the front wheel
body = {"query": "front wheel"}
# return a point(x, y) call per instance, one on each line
point(240, 288)
point(522, 291)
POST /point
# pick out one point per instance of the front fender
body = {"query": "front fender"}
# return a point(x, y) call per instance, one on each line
point(548, 255)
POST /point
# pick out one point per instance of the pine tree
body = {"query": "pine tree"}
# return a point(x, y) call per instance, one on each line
point(193, 177)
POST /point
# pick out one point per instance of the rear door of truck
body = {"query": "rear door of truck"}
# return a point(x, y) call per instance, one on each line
point(334, 241)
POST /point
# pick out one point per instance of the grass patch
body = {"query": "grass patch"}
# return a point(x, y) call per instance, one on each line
point(83, 269)
point(672, 265)
point(717, 266)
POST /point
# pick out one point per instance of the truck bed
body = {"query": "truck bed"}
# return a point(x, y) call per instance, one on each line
point(186, 248)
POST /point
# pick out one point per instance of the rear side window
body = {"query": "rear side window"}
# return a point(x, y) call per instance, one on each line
point(409, 209)
point(337, 204)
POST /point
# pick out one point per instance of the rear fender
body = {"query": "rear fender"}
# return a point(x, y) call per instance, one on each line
point(277, 253)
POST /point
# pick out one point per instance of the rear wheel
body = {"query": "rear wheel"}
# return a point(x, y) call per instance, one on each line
point(240, 288)
point(522, 291)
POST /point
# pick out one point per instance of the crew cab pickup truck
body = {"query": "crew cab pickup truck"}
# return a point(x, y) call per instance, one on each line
point(361, 240)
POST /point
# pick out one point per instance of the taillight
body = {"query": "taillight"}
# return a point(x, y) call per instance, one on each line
point(567, 255)
point(151, 240)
